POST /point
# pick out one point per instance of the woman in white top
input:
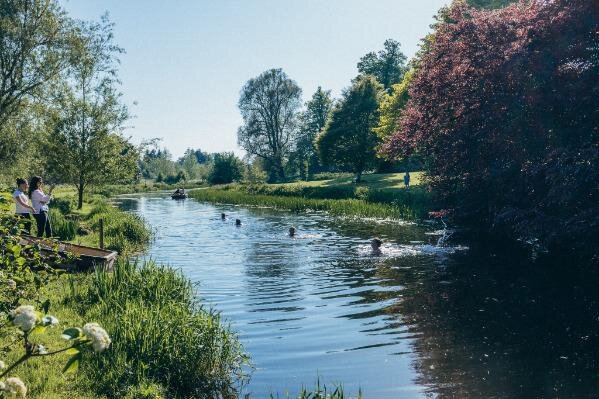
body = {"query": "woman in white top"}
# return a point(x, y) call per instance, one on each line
point(22, 207)
point(40, 201)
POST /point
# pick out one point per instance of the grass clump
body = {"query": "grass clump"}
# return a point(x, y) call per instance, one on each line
point(162, 340)
point(320, 392)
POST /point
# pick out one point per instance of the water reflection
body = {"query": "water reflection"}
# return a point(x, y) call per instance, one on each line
point(421, 320)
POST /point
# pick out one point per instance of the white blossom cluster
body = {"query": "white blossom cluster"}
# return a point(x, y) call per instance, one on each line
point(97, 335)
point(24, 317)
point(13, 388)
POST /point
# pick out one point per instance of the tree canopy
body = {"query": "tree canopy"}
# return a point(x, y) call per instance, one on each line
point(313, 120)
point(388, 65)
point(348, 140)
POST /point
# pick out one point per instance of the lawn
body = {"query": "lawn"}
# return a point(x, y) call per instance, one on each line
point(373, 181)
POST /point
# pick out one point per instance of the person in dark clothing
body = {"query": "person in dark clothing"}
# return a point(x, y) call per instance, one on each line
point(39, 202)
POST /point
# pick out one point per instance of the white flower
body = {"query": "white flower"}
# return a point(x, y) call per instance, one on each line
point(49, 320)
point(12, 284)
point(24, 317)
point(41, 349)
point(97, 335)
point(2, 365)
point(14, 388)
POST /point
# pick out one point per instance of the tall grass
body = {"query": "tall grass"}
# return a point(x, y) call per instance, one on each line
point(409, 208)
point(162, 339)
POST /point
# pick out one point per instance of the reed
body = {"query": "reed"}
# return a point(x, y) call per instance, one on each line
point(296, 203)
point(162, 339)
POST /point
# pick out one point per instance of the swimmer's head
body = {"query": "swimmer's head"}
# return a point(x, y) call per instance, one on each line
point(291, 231)
point(375, 244)
point(223, 216)
point(237, 222)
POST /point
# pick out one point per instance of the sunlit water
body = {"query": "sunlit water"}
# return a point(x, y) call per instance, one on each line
point(423, 320)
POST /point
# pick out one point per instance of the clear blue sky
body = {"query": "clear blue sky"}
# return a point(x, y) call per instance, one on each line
point(187, 60)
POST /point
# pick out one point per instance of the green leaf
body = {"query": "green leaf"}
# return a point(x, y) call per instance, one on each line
point(37, 330)
point(16, 249)
point(72, 351)
point(73, 364)
point(72, 333)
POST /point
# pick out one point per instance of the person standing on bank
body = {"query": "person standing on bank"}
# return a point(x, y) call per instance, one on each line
point(40, 201)
point(22, 207)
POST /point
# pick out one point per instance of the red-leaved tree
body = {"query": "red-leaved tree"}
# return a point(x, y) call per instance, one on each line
point(505, 109)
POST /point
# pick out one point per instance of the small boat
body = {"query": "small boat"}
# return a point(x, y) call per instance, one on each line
point(177, 196)
point(86, 258)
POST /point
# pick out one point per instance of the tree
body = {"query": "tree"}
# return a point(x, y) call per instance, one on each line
point(313, 120)
point(504, 108)
point(190, 165)
point(226, 168)
point(86, 146)
point(388, 65)
point(269, 106)
point(348, 140)
point(35, 40)
point(392, 106)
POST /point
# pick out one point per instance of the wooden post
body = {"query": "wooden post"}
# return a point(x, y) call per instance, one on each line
point(101, 233)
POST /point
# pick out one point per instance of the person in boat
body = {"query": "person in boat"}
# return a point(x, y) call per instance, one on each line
point(375, 244)
point(223, 216)
point(406, 179)
point(179, 191)
point(39, 202)
point(237, 222)
point(22, 208)
point(292, 231)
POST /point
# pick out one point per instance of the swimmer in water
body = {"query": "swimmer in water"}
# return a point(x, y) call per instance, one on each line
point(292, 231)
point(237, 222)
point(223, 216)
point(375, 244)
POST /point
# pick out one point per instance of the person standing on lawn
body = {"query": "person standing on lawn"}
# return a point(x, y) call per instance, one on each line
point(22, 207)
point(39, 201)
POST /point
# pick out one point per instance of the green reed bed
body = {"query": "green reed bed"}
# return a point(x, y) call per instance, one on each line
point(163, 343)
point(339, 207)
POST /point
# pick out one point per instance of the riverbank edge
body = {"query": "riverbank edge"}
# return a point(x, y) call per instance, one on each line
point(409, 205)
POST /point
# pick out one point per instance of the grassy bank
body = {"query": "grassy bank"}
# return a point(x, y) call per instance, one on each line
point(163, 343)
point(379, 196)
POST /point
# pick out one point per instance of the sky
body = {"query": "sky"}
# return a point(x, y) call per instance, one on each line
point(187, 60)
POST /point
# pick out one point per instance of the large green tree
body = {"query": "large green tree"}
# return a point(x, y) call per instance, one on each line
point(313, 120)
point(388, 65)
point(86, 146)
point(348, 140)
point(35, 45)
point(269, 105)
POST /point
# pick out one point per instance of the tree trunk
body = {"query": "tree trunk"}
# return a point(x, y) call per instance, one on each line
point(359, 177)
point(80, 196)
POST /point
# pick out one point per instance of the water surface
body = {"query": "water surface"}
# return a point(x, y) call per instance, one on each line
point(423, 320)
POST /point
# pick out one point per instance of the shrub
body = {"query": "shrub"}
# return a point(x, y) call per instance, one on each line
point(64, 204)
point(63, 227)
point(226, 168)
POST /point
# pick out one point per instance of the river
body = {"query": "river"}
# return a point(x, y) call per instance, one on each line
point(425, 319)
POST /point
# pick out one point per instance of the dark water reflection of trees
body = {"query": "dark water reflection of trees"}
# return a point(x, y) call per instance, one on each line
point(491, 327)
